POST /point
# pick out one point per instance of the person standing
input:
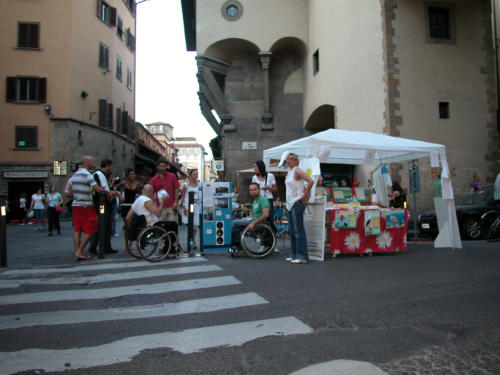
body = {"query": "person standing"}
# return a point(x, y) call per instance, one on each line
point(297, 195)
point(191, 186)
point(100, 176)
point(38, 207)
point(474, 185)
point(266, 182)
point(167, 181)
point(397, 197)
point(496, 193)
point(438, 188)
point(130, 192)
point(80, 187)
point(22, 208)
point(54, 200)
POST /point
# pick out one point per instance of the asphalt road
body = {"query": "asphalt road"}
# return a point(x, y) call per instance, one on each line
point(423, 311)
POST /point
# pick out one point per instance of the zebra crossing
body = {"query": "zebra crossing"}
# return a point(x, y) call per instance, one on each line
point(62, 292)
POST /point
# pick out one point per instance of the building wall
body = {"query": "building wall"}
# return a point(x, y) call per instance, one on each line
point(258, 23)
point(86, 74)
point(68, 58)
point(51, 61)
point(459, 73)
point(348, 35)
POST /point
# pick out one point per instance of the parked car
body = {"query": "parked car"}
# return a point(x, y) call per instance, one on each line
point(469, 210)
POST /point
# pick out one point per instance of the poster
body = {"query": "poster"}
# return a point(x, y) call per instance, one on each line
point(314, 224)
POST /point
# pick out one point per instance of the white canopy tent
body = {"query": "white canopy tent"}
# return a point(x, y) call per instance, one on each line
point(364, 148)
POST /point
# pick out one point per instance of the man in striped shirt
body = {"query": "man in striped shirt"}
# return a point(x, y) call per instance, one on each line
point(80, 187)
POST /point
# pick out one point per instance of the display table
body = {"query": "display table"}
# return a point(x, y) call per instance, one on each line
point(367, 230)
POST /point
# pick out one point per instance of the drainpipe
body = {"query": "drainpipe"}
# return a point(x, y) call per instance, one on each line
point(495, 38)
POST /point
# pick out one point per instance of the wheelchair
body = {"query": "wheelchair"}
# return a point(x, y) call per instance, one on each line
point(154, 243)
point(256, 243)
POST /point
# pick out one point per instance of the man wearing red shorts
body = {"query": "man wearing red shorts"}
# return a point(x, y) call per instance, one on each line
point(80, 186)
point(168, 181)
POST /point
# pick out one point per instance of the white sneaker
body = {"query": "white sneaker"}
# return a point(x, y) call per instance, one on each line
point(299, 261)
point(289, 259)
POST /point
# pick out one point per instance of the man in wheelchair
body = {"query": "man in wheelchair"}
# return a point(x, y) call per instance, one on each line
point(260, 215)
point(142, 213)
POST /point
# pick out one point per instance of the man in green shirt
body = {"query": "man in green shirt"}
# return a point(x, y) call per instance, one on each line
point(260, 206)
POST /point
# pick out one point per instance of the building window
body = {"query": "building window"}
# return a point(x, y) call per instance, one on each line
point(106, 13)
point(130, 41)
point(26, 89)
point(232, 10)
point(119, 28)
point(130, 5)
point(444, 110)
point(440, 23)
point(118, 68)
point(28, 35)
point(316, 62)
point(129, 78)
point(152, 129)
point(104, 56)
point(26, 137)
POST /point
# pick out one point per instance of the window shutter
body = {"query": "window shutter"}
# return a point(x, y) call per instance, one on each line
point(118, 120)
point(101, 55)
point(124, 122)
point(112, 16)
point(106, 57)
point(131, 130)
point(34, 37)
point(42, 90)
point(110, 115)
point(11, 89)
point(103, 116)
point(99, 9)
point(22, 34)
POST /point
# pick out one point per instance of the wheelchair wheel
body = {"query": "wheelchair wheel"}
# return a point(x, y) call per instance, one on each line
point(130, 246)
point(259, 242)
point(494, 232)
point(153, 244)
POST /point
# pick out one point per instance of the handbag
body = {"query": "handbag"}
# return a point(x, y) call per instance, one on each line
point(31, 214)
point(59, 208)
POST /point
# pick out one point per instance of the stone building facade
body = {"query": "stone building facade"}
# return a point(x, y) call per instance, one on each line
point(278, 70)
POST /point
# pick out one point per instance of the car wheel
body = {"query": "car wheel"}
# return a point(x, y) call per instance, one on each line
point(472, 228)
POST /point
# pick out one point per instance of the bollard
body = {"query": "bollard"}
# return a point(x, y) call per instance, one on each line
point(190, 240)
point(3, 234)
point(102, 224)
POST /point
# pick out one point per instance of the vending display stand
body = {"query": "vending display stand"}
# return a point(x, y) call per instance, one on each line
point(216, 216)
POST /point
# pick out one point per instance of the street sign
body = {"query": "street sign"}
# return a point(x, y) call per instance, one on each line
point(249, 145)
point(414, 176)
point(218, 165)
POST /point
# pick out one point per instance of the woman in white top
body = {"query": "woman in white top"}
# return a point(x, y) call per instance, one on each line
point(38, 207)
point(297, 195)
point(267, 183)
point(53, 200)
point(191, 185)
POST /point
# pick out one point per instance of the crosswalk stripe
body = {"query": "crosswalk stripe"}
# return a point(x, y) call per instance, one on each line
point(77, 279)
point(135, 312)
point(99, 266)
point(188, 341)
point(155, 288)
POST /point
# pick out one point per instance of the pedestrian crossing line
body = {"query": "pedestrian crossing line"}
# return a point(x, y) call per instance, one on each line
point(135, 312)
point(100, 266)
point(188, 341)
point(101, 293)
point(87, 280)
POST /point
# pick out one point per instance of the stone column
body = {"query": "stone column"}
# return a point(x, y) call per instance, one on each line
point(267, 117)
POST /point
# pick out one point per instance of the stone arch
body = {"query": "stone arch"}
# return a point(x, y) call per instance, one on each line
point(287, 62)
point(227, 48)
point(321, 118)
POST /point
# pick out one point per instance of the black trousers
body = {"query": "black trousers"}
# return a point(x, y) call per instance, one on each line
point(94, 240)
point(53, 219)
